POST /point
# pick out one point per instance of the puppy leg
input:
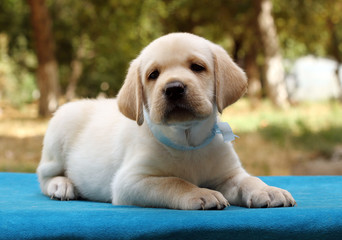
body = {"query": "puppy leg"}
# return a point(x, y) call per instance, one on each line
point(244, 190)
point(166, 192)
point(52, 181)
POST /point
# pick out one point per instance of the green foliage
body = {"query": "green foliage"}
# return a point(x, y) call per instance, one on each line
point(309, 26)
point(17, 83)
point(109, 34)
point(17, 59)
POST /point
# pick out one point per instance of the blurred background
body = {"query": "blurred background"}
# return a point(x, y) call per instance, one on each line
point(289, 122)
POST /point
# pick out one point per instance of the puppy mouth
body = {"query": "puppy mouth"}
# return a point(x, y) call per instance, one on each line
point(180, 112)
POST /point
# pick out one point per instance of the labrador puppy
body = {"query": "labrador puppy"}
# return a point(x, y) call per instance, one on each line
point(160, 142)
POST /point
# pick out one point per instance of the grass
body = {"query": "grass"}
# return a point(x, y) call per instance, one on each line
point(278, 142)
point(310, 116)
point(310, 126)
point(272, 141)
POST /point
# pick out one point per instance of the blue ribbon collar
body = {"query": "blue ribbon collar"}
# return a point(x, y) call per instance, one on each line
point(222, 128)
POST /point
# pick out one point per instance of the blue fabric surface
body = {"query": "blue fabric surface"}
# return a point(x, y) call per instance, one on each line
point(26, 214)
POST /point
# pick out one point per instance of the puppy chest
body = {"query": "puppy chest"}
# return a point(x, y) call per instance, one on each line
point(194, 168)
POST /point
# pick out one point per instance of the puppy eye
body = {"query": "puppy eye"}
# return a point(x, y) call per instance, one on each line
point(197, 68)
point(154, 75)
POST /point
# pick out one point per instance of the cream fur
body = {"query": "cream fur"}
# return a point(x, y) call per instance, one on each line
point(97, 150)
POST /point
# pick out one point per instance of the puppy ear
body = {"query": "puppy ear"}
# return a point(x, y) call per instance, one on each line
point(130, 95)
point(230, 80)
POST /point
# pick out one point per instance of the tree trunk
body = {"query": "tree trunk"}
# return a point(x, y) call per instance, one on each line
point(336, 54)
point(47, 74)
point(253, 74)
point(275, 82)
point(76, 72)
point(339, 84)
point(251, 65)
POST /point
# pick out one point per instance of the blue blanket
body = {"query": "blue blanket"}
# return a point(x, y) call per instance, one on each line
point(26, 214)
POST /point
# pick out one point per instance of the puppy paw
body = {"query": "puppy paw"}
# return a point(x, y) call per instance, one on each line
point(61, 188)
point(203, 199)
point(269, 197)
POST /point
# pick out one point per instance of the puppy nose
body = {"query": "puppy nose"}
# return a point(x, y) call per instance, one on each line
point(174, 90)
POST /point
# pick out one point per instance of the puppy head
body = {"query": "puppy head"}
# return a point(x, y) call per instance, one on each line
point(180, 77)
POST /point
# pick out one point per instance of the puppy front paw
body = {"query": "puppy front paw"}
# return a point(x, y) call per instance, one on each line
point(268, 197)
point(203, 199)
point(61, 188)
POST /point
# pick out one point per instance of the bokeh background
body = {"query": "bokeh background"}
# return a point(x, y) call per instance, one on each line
point(289, 122)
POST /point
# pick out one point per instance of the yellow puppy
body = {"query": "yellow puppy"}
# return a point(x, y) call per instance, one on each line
point(175, 154)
